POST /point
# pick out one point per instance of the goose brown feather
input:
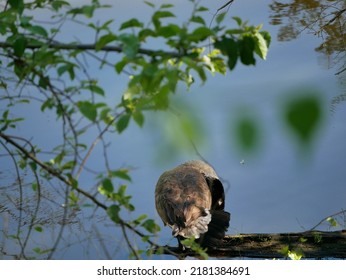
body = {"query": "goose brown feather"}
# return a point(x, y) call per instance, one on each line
point(187, 198)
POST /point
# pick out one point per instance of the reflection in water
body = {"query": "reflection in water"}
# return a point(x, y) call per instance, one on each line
point(325, 19)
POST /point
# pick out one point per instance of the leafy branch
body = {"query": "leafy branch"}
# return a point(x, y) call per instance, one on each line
point(92, 47)
point(39, 69)
point(330, 219)
point(71, 182)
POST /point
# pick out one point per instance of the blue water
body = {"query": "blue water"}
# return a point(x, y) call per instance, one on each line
point(274, 190)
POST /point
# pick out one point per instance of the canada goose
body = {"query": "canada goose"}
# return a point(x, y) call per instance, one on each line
point(190, 199)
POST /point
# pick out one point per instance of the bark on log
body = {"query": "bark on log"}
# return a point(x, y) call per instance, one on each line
point(311, 244)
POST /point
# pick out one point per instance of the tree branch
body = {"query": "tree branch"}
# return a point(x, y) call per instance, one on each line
point(225, 5)
point(326, 218)
point(57, 174)
point(50, 170)
point(92, 47)
point(311, 244)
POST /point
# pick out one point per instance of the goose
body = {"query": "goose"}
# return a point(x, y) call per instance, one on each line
point(190, 199)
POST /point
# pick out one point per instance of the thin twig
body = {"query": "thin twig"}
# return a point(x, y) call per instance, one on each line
point(63, 179)
point(93, 145)
point(63, 224)
point(100, 240)
point(51, 171)
point(225, 5)
point(38, 202)
point(337, 14)
point(22, 246)
point(329, 216)
point(128, 242)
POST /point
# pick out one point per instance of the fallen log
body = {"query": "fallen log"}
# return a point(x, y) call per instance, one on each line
point(308, 244)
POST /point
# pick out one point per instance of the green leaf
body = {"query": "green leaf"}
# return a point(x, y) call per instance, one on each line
point(17, 5)
point(332, 222)
point(219, 65)
point(88, 11)
point(123, 122)
point(113, 213)
point(104, 40)
point(138, 117)
point(197, 19)
point(37, 250)
point(166, 6)
point(267, 37)
point(95, 89)
point(58, 159)
point(163, 14)
point(22, 163)
point(38, 30)
point(131, 24)
point(294, 255)
point(196, 247)
point(152, 5)
point(107, 185)
point(106, 115)
point(74, 199)
point(193, 65)
point(145, 32)
point(303, 115)
point(44, 82)
point(69, 68)
point(172, 77)
point(247, 133)
point(157, 16)
point(151, 226)
point(5, 114)
point(122, 190)
point(202, 9)
point(121, 173)
point(220, 17)
point(121, 64)
point(57, 4)
point(200, 34)
point(261, 47)
point(25, 20)
point(130, 45)
point(33, 166)
point(139, 219)
point(238, 20)
point(73, 182)
point(34, 186)
point(19, 46)
point(169, 30)
point(38, 228)
point(49, 103)
point(88, 110)
point(228, 47)
point(247, 48)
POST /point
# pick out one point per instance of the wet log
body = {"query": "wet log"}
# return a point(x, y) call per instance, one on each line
point(309, 244)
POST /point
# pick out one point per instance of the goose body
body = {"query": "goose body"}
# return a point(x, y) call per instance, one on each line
point(190, 199)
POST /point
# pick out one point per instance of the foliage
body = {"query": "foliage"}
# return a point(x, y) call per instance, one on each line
point(246, 129)
point(291, 254)
point(39, 70)
point(192, 245)
point(303, 115)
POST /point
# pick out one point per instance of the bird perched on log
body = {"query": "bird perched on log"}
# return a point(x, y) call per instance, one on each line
point(190, 199)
